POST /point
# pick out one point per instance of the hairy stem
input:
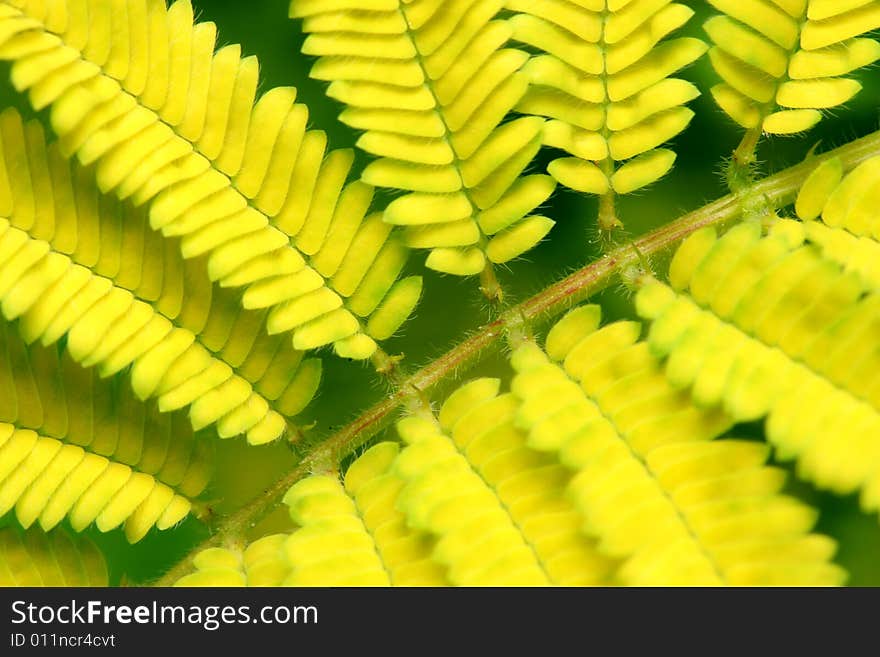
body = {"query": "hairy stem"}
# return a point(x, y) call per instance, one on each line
point(412, 397)
point(740, 170)
point(777, 190)
point(608, 221)
point(490, 286)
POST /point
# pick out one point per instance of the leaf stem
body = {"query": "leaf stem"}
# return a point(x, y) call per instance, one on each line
point(741, 168)
point(778, 190)
point(608, 220)
point(490, 286)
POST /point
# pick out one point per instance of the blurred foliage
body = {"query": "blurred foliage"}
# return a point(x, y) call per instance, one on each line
point(263, 29)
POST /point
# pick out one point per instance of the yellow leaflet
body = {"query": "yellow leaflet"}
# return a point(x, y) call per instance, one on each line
point(220, 170)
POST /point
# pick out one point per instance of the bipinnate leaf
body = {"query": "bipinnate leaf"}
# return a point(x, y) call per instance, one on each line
point(593, 470)
point(601, 76)
point(769, 327)
point(135, 89)
point(653, 486)
point(431, 85)
point(783, 63)
point(81, 267)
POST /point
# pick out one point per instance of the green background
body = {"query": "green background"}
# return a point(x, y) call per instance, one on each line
point(452, 307)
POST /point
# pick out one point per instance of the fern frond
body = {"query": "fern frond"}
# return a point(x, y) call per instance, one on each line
point(602, 78)
point(34, 558)
point(348, 535)
point(464, 502)
point(771, 328)
point(497, 508)
point(81, 265)
point(430, 84)
point(651, 484)
point(137, 90)
point(77, 446)
point(509, 488)
point(782, 63)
